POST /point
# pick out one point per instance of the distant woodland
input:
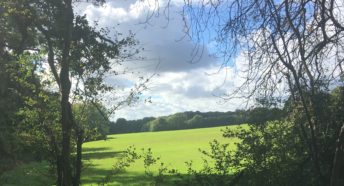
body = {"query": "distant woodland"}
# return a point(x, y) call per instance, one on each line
point(191, 120)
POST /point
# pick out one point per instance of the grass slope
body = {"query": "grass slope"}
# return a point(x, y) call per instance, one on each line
point(174, 148)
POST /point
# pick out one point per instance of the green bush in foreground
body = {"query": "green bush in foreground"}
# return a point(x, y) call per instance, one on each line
point(267, 154)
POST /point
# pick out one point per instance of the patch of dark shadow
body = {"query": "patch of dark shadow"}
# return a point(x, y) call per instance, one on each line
point(98, 176)
point(110, 137)
point(102, 155)
point(94, 149)
point(94, 176)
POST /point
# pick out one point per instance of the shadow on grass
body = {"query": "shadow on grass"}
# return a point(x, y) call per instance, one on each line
point(34, 173)
point(110, 137)
point(97, 176)
point(123, 178)
point(93, 175)
point(102, 155)
point(94, 149)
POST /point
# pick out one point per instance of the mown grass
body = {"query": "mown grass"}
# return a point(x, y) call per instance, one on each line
point(173, 147)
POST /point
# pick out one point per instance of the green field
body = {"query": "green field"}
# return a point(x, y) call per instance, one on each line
point(174, 148)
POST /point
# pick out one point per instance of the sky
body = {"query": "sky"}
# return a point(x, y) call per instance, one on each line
point(186, 75)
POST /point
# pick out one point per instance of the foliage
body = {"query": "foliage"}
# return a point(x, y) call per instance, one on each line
point(191, 120)
point(18, 89)
point(273, 149)
point(50, 47)
point(278, 148)
point(17, 84)
point(217, 167)
point(292, 48)
point(261, 150)
point(275, 152)
point(93, 123)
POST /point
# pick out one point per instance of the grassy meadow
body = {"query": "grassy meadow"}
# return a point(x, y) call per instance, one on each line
point(174, 148)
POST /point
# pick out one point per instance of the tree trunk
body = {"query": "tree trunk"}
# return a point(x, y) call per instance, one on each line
point(66, 132)
point(59, 170)
point(337, 169)
point(66, 109)
point(78, 163)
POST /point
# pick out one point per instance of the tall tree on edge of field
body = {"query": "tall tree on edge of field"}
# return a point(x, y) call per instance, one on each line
point(76, 52)
point(297, 44)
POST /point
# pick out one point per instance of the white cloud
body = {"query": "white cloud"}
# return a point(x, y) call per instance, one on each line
point(193, 90)
point(180, 85)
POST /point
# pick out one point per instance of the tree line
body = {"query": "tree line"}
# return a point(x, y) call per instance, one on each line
point(191, 120)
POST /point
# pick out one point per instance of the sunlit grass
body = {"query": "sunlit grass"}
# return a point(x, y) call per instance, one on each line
point(174, 148)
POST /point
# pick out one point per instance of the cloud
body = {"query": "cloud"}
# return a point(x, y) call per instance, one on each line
point(188, 77)
point(161, 37)
point(119, 11)
point(193, 90)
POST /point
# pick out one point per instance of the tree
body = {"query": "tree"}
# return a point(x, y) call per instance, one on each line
point(74, 51)
point(119, 126)
point(261, 115)
point(18, 84)
point(289, 45)
point(195, 120)
point(157, 124)
point(10, 103)
point(94, 125)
